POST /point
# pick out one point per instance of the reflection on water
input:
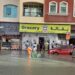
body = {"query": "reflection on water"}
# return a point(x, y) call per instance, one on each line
point(28, 66)
point(28, 60)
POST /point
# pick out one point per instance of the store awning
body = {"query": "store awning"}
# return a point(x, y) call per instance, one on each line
point(7, 28)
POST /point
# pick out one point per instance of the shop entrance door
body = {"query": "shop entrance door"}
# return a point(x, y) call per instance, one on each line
point(41, 42)
point(72, 41)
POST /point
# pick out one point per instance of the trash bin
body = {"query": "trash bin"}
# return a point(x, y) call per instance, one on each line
point(39, 55)
point(34, 54)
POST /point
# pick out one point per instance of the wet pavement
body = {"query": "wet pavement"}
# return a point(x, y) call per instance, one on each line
point(66, 58)
point(17, 63)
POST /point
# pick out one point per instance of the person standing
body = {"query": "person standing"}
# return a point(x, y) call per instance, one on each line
point(53, 44)
point(29, 51)
point(46, 45)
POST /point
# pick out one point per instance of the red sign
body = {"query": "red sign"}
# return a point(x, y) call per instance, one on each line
point(67, 36)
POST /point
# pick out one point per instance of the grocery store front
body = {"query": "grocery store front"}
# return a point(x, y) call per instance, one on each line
point(45, 33)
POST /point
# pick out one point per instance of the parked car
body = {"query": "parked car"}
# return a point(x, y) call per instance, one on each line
point(65, 50)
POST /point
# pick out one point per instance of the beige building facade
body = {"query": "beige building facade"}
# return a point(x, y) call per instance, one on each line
point(7, 2)
point(9, 24)
point(27, 24)
point(25, 19)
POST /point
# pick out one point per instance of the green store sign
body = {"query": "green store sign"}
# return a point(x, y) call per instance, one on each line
point(38, 28)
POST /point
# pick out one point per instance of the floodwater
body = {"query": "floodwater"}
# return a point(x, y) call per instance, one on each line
point(13, 63)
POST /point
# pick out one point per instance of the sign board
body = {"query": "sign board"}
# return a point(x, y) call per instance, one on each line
point(39, 28)
point(67, 36)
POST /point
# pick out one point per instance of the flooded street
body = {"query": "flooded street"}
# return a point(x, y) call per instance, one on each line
point(13, 63)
